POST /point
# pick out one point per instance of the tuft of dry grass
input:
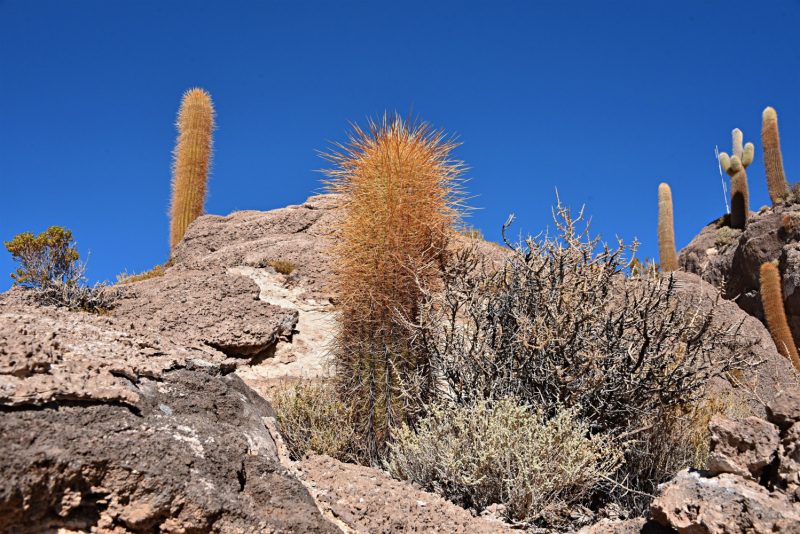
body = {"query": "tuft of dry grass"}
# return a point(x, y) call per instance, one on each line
point(283, 267)
point(312, 418)
point(400, 204)
point(155, 272)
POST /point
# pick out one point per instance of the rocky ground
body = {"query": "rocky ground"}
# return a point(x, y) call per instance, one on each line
point(153, 418)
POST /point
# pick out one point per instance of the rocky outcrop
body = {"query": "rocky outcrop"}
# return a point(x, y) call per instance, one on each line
point(361, 499)
point(752, 485)
point(732, 264)
point(122, 429)
point(767, 371)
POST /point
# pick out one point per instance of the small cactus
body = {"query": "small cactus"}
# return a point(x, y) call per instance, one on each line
point(735, 166)
point(772, 299)
point(666, 231)
point(773, 161)
point(192, 161)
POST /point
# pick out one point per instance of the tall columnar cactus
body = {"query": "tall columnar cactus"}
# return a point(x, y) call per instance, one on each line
point(772, 299)
point(666, 231)
point(190, 168)
point(773, 161)
point(735, 166)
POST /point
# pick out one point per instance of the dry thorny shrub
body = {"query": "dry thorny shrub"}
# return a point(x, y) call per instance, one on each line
point(505, 452)
point(559, 325)
point(399, 202)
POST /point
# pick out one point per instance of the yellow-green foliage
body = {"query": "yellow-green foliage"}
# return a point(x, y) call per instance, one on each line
point(283, 267)
point(312, 418)
point(735, 166)
point(726, 235)
point(504, 453)
point(773, 160)
point(668, 257)
point(772, 299)
point(47, 257)
point(192, 162)
point(399, 207)
point(125, 278)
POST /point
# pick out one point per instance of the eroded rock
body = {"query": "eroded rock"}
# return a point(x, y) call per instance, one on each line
point(742, 447)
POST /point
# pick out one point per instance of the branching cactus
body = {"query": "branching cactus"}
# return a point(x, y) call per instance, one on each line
point(190, 168)
point(666, 230)
point(772, 299)
point(735, 166)
point(773, 161)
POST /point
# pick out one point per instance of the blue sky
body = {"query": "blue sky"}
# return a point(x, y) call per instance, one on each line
point(603, 100)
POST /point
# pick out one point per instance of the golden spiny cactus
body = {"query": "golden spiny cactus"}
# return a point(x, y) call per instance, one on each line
point(772, 299)
point(190, 168)
point(666, 231)
point(773, 161)
point(735, 166)
point(400, 201)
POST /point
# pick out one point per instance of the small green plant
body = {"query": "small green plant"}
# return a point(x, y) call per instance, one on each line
point(726, 235)
point(507, 453)
point(666, 231)
point(283, 267)
point(49, 256)
point(50, 266)
point(312, 418)
point(735, 166)
point(473, 233)
point(763, 208)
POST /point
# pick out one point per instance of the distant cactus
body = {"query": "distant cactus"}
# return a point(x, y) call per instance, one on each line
point(772, 299)
point(735, 167)
point(666, 231)
point(773, 161)
point(192, 161)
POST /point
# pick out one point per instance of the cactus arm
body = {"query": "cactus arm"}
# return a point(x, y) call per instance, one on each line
point(737, 143)
point(725, 161)
point(747, 157)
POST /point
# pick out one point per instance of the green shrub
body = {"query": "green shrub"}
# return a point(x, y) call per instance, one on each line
point(49, 256)
point(507, 453)
point(726, 235)
point(51, 267)
point(313, 418)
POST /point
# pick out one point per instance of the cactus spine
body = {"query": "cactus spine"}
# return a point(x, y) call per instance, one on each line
point(773, 161)
point(772, 299)
point(190, 168)
point(666, 231)
point(735, 166)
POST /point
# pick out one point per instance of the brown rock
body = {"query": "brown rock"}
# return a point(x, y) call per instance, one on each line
point(211, 307)
point(742, 447)
point(789, 457)
point(123, 430)
point(784, 409)
point(695, 504)
point(734, 268)
point(769, 371)
point(639, 525)
point(362, 499)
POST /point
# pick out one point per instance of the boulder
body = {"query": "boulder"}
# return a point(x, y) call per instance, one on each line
point(114, 427)
point(734, 267)
point(752, 482)
point(742, 447)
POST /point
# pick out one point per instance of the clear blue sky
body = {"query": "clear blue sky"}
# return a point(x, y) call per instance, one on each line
point(603, 100)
